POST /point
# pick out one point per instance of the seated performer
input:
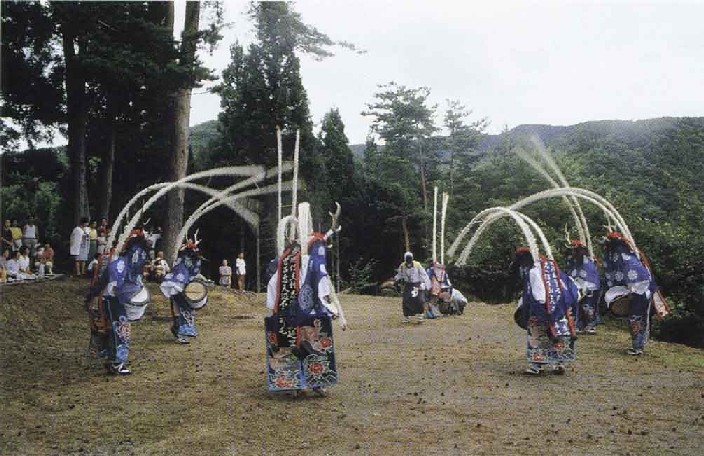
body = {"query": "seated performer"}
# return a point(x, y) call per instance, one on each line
point(582, 268)
point(416, 281)
point(548, 298)
point(625, 269)
point(302, 304)
point(185, 269)
point(440, 301)
point(119, 282)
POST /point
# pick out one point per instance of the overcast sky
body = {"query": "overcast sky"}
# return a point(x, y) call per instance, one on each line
point(513, 62)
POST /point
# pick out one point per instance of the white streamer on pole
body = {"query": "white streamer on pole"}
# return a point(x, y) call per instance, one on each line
point(305, 226)
point(294, 192)
point(281, 234)
point(280, 159)
point(183, 183)
point(234, 201)
point(443, 218)
point(226, 192)
point(231, 171)
point(601, 202)
point(435, 223)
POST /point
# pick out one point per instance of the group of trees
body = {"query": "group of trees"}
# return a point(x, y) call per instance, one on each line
point(112, 79)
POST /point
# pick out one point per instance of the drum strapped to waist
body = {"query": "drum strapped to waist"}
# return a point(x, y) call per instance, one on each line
point(618, 300)
point(196, 294)
point(137, 304)
point(520, 315)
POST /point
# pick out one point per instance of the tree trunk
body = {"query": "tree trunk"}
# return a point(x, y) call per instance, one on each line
point(423, 185)
point(180, 115)
point(77, 119)
point(406, 240)
point(107, 164)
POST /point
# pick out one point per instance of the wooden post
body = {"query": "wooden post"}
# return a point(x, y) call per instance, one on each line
point(259, 266)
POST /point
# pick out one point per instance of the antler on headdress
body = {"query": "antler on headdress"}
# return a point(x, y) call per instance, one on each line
point(335, 223)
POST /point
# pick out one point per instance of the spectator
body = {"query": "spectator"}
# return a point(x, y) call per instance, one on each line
point(3, 265)
point(159, 267)
point(154, 240)
point(79, 246)
point(30, 234)
point(101, 240)
point(7, 236)
point(23, 260)
point(13, 268)
point(92, 265)
point(103, 227)
point(92, 239)
point(16, 232)
point(14, 271)
point(225, 275)
point(47, 258)
point(241, 267)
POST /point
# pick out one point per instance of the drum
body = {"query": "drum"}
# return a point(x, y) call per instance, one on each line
point(520, 315)
point(618, 300)
point(619, 306)
point(137, 304)
point(196, 294)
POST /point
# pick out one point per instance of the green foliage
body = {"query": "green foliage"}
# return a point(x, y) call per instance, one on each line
point(31, 188)
point(361, 276)
point(462, 142)
point(32, 92)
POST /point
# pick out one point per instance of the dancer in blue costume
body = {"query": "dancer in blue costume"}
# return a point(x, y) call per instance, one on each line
point(549, 297)
point(627, 273)
point(185, 269)
point(583, 270)
point(302, 304)
point(119, 282)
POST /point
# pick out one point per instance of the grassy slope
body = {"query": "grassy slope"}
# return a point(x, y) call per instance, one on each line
point(451, 386)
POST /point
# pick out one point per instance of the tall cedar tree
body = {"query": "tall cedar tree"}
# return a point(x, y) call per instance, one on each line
point(404, 121)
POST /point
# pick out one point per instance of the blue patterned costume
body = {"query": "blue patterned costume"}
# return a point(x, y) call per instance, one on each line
point(549, 299)
point(186, 268)
point(623, 267)
point(583, 270)
point(299, 342)
point(119, 282)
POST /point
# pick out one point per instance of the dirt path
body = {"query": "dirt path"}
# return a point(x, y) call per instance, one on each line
point(452, 386)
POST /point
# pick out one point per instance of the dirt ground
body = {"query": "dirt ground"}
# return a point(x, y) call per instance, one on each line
point(450, 386)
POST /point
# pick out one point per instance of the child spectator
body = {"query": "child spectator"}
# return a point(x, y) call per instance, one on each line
point(47, 258)
point(92, 265)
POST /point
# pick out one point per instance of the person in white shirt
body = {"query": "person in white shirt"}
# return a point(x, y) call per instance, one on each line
point(29, 236)
point(15, 270)
point(241, 267)
point(78, 247)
